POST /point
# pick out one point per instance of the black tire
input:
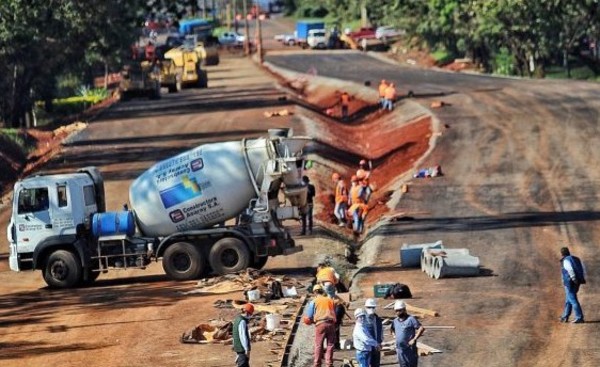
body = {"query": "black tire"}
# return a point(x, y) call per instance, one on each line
point(62, 270)
point(183, 261)
point(91, 276)
point(260, 262)
point(229, 255)
point(202, 79)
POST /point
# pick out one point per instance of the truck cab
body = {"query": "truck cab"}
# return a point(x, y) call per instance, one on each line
point(317, 38)
point(47, 211)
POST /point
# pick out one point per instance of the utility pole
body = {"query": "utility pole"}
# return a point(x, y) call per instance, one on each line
point(364, 19)
point(228, 15)
point(259, 43)
point(204, 9)
point(247, 28)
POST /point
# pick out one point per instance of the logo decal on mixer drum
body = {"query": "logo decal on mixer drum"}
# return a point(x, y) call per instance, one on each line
point(186, 190)
point(197, 164)
point(176, 216)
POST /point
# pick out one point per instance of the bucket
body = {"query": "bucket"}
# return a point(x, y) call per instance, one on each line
point(253, 295)
point(113, 223)
point(273, 321)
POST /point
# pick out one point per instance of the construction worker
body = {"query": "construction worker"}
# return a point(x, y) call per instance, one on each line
point(364, 174)
point(307, 215)
point(406, 330)
point(341, 199)
point(355, 190)
point(390, 97)
point(358, 212)
point(321, 312)
point(241, 336)
point(327, 278)
point(344, 102)
point(361, 339)
point(382, 87)
point(374, 326)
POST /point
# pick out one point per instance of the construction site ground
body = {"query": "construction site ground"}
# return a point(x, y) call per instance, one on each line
point(519, 181)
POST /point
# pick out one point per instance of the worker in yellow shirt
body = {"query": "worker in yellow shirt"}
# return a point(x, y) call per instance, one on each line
point(390, 97)
point(382, 87)
point(341, 198)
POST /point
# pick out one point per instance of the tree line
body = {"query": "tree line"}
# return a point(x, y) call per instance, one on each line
point(525, 36)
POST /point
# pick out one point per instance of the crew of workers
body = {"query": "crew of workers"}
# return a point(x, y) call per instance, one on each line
point(387, 95)
point(326, 312)
point(354, 203)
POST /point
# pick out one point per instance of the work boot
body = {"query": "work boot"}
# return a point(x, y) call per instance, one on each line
point(578, 321)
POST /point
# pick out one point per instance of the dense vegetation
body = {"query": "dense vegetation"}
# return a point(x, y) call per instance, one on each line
point(523, 37)
point(48, 47)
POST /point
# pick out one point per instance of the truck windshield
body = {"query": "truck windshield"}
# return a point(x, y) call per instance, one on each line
point(33, 200)
point(318, 34)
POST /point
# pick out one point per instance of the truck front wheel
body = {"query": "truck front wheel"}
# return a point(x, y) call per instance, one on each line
point(183, 261)
point(229, 255)
point(260, 262)
point(62, 270)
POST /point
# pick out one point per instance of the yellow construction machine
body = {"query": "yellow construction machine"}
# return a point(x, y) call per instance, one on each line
point(187, 64)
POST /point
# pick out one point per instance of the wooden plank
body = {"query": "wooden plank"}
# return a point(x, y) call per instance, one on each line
point(420, 310)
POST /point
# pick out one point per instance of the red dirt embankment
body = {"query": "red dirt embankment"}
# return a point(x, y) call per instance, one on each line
point(386, 139)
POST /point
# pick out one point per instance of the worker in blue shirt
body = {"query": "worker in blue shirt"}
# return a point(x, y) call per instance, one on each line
point(406, 329)
point(363, 342)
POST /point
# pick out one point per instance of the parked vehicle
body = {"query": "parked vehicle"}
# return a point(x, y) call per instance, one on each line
point(231, 39)
point(362, 33)
point(179, 207)
point(289, 40)
point(302, 31)
point(317, 38)
point(388, 32)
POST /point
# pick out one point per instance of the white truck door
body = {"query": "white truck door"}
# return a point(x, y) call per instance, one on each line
point(32, 218)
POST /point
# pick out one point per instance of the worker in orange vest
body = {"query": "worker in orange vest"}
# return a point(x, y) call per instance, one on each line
point(327, 278)
point(321, 312)
point(345, 101)
point(356, 191)
point(382, 87)
point(390, 97)
point(364, 176)
point(358, 212)
point(341, 198)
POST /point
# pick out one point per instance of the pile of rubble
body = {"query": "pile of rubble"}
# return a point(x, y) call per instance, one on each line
point(276, 302)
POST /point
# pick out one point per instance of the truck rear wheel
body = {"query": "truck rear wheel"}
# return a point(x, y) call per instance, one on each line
point(229, 255)
point(183, 261)
point(62, 270)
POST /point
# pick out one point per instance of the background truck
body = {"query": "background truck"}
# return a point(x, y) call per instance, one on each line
point(303, 28)
point(140, 79)
point(179, 210)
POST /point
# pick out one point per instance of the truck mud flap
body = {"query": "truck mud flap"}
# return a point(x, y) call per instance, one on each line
point(293, 250)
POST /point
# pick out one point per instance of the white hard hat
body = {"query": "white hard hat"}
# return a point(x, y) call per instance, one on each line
point(399, 305)
point(370, 302)
point(359, 312)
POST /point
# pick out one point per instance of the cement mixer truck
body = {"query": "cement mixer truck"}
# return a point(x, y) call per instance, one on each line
point(216, 208)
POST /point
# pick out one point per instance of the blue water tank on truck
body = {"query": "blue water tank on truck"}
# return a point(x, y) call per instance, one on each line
point(179, 209)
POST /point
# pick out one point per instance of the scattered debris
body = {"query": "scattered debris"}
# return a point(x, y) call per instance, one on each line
point(429, 172)
point(437, 104)
point(283, 112)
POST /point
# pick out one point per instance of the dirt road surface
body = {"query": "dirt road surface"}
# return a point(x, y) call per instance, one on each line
point(518, 158)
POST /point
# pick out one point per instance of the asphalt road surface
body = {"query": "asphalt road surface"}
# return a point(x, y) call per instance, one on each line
point(519, 158)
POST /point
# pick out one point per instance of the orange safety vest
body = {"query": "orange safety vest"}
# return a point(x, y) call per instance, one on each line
point(324, 310)
point(341, 193)
point(359, 206)
point(327, 274)
point(390, 92)
point(382, 88)
point(363, 174)
point(355, 194)
point(345, 99)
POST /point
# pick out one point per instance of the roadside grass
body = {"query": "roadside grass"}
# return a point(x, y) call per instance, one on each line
point(442, 57)
point(577, 73)
point(16, 138)
point(65, 107)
